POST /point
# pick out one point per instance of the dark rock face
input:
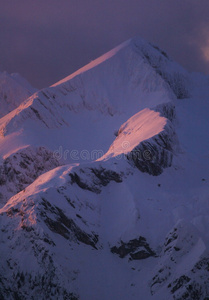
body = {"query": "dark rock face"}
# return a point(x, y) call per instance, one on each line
point(136, 249)
point(195, 285)
point(65, 226)
point(167, 110)
point(78, 180)
point(22, 168)
point(185, 288)
point(154, 161)
point(44, 280)
point(172, 236)
point(183, 283)
point(105, 176)
point(153, 155)
point(99, 177)
point(23, 283)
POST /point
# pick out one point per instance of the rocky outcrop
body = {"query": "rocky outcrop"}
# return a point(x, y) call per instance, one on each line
point(135, 249)
point(40, 227)
point(65, 226)
point(22, 168)
point(93, 179)
point(155, 154)
point(24, 286)
point(184, 265)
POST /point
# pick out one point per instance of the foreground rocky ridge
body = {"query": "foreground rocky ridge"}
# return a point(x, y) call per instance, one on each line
point(63, 212)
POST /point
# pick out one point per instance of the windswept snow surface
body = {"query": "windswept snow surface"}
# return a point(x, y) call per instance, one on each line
point(119, 226)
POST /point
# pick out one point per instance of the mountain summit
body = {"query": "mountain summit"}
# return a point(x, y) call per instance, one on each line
point(104, 183)
point(131, 77)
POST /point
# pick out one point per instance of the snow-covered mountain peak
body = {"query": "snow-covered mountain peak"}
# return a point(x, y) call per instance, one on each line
point(95, 62)
point(137, 218)
point(130, 53)
point(120, 84)
point(117, 82)
point(136, 44)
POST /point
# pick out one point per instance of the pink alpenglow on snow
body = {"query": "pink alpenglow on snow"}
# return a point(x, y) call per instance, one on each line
point(142, 126)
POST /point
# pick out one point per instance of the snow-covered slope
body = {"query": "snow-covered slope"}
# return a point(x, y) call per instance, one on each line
point(115, 86)
point(130, 221)
point(148, 140)
point(14, 89)
point(121, 233)
point(105, 230)
point(97, 98)
point(22, 168)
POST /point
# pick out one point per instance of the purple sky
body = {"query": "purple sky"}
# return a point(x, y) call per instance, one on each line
point(46, 40)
